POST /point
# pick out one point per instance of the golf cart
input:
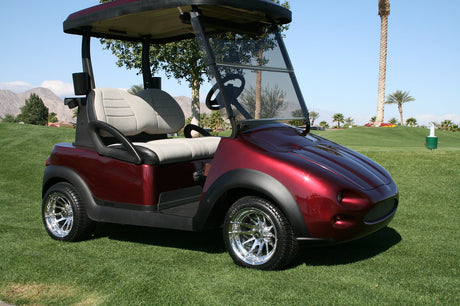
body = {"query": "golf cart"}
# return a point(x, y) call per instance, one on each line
point(268, 184)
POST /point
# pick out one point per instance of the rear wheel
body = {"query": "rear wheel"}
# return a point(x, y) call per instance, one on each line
point(258, 235)
point(64, 214)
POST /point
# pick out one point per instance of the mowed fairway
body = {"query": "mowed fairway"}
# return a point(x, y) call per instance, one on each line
point(413, 261)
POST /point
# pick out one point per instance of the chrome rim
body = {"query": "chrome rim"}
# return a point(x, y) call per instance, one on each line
point(253, 236)
point(58, 215)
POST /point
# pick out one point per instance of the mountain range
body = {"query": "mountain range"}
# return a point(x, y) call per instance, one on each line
point(10, 103)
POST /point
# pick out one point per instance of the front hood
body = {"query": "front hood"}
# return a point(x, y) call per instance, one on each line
point(351, 166)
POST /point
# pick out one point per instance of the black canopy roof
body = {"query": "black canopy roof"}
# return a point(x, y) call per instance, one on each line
point(158, 20)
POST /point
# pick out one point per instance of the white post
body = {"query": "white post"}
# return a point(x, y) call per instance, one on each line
point(432, 130)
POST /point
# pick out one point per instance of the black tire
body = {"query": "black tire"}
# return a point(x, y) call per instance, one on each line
point(64, 214)
point(258, 235)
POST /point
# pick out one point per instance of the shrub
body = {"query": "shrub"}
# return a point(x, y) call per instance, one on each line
point(9, 118)
point(34, 111)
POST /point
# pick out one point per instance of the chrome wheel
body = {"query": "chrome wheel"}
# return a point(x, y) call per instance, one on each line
point(58, 215)
point(258, 235)
point(252, 236)
point(64, 214)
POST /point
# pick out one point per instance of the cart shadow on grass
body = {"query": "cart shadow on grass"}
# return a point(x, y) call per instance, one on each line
point(350, 252)
point(211, 242)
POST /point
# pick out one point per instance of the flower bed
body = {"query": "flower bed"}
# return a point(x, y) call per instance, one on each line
point(371, 124)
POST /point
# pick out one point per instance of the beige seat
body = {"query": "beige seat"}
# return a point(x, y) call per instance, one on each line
point(152, 112)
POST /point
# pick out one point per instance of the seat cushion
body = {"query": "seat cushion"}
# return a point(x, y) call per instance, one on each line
point(182, 149)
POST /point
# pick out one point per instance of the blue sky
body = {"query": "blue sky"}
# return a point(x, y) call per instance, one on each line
point(333, 44)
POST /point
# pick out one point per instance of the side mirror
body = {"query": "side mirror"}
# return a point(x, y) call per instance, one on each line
point(81, 83)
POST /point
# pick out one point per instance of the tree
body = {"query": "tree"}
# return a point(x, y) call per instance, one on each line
point(373, 119)
point(135, 89)
point(52, 117)
point(338, 118)
point(393, 121)
point(313, 116)
point(384, 11)
point(9, 118)
point(273, 101)
point(204, 120)
point(260, 61)
point(181, 60)
point(298, 113)
point(399, 97)
point(349, 121)
point(324, 124)
point(448, 125)
point(216, 121)
point(34, 111)
point(411, 122)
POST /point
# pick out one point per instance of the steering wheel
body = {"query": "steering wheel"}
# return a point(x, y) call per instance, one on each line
point(212, 104)
point(192, 127)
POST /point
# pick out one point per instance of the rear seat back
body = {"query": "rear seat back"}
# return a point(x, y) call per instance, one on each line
point(151, 111)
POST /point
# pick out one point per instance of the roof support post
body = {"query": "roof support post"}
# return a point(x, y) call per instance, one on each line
point(86, 58)
point(146, 72)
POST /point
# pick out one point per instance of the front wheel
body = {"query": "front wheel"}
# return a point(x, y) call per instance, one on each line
point(64, 214)
point(258, 235)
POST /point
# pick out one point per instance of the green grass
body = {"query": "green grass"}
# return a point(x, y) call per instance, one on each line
point(391, 139)
point(413, 261)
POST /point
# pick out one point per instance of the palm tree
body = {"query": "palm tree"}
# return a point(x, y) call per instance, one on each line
point(313, 116)
point(447, 125)
point(338, 118)
point(349, 121)
point(324, 124)
point(399, 97)
point(384, 11)
point(411, 122)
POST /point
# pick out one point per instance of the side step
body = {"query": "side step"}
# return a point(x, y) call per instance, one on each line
point(179, 197)
point(181, 202)
point(175, 210)
point(184, 210)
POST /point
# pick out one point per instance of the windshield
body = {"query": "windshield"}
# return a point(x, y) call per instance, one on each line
point(257, 80)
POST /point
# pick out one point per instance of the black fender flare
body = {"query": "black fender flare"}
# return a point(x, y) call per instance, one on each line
point(257, 181)
point(55, 174)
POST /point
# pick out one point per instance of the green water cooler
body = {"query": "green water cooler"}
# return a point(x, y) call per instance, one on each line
point(431, 141)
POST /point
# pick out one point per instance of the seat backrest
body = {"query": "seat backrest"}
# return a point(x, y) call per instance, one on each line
point(169, 115)
point(151, 111)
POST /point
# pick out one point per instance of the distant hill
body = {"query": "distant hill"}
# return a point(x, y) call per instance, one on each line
point(10, 103)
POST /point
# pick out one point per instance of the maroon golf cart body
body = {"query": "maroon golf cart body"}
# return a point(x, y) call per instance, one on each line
point(269, 184)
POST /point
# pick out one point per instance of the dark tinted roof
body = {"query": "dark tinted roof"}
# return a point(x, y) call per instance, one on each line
point(159, 19)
